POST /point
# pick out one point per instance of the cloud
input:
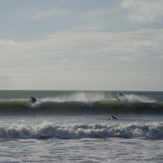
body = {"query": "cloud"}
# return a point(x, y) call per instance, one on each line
point(83, 59)
point(89, 47)
point(144, 11)
point(4, 43)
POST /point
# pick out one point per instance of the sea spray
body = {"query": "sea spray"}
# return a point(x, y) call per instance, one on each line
point(135, 99)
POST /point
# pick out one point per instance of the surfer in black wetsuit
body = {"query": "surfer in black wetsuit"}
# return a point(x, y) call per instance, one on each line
point(112, 118)
point(120, 94)
point(33, 100)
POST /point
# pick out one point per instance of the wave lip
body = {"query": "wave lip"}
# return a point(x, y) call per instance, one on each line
point(75, 131)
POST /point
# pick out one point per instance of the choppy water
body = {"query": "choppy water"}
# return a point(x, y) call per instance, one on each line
point(59, 136)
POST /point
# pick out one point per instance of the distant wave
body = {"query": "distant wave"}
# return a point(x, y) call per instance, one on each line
point(74, 107)
point(75, 131)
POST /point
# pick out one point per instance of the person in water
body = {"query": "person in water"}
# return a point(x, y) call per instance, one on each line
point(112, 118)
point(33, 100)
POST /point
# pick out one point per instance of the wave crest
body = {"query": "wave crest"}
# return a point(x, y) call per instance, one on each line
point(74, 131)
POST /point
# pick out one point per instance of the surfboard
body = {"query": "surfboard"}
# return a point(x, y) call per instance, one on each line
point(114, 96)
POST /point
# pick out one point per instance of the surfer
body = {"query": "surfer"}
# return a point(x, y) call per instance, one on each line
point(33, 100)
point(120, 94)
point(112, 118)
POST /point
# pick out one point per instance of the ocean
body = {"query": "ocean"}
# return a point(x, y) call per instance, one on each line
point(74, 127)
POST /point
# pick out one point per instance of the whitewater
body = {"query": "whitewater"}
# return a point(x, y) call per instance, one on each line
point(73, 126)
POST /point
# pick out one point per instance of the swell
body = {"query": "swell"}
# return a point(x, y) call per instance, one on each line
point(78, 108)
point(74, 131)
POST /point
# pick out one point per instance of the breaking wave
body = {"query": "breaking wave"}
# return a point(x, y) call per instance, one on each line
point(82, 103)
point(74, 131)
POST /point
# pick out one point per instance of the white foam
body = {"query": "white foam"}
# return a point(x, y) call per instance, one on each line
point(71, 131)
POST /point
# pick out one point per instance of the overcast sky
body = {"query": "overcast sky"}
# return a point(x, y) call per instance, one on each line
point(81, 45)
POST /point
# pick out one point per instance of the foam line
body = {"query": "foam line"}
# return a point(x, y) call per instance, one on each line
point(74, 131)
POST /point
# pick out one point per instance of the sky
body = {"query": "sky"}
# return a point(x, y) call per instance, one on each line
point(81, 45)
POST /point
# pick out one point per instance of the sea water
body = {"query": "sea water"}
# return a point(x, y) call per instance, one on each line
point(51, 131)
